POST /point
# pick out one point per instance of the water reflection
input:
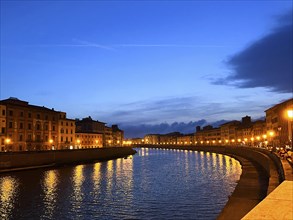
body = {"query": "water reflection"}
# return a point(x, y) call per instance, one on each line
point(97, 177)
point(50, 184)
point(77, 196)
point(8, 192)
point(153, 184)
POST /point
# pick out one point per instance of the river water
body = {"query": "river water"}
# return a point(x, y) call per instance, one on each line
point(153, 184)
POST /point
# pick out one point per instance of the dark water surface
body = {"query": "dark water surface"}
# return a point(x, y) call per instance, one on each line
point(153, 184)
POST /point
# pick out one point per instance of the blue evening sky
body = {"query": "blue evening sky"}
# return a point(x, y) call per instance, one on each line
point(147, 62)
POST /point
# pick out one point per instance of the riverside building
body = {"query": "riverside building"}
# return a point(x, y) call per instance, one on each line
point(26, 127)
point(279, 123)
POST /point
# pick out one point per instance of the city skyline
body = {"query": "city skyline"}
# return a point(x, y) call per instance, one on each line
point(141, 64)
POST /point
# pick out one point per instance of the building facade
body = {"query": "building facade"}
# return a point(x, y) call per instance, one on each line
point(279, 123)
point(88, 140)
point(27, 127)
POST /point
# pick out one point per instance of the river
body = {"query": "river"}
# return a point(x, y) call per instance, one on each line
point(153, 184)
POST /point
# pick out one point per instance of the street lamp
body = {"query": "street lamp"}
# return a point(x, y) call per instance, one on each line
point(290, 118)
point(7, 141)
point(51, 142)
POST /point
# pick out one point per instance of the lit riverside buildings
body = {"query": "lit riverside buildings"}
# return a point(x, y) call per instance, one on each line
point(27, 127)
point(276, 131)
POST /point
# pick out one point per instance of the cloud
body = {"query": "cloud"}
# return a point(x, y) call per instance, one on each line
point(266, 62)
point(83, 43)
point(162, 128)
point(141, 130)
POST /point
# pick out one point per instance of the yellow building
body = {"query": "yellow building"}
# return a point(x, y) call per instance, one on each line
point(66, 128)
point(31, 127)
point(3, 128)
point(151, 139)
point(88, 140)
point(279, 123)
point(118, 136)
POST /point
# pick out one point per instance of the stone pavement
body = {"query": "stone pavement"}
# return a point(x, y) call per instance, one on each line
point(279, 203)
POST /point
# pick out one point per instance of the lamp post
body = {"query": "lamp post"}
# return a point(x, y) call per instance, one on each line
point(290, 118)
point(271, 135)
point(7, 141)
point(51, 142)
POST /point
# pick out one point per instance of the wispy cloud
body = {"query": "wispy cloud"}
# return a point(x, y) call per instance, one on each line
point(82, 43)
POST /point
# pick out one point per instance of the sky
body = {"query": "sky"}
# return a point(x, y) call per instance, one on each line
point(148, 66)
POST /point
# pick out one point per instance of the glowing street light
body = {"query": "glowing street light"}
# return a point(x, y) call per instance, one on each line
point(8, 140)
point(290, 118)
point(290, 114)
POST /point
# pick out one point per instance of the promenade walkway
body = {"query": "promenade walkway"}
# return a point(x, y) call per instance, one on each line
point(279, 203)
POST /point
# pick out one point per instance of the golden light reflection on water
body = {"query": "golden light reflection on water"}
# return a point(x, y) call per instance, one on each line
point(110, 172)
point(78, 179)
point(97, 177)
point(8, 191)
point(50, 184)
point(127, 179)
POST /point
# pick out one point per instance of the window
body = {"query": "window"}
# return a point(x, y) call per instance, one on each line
point(20, 137)
point(66, 123)
point(29, 115)
point(62, 123)
point(61, 138)
point(2, 130)
point(38, 137)
point(3, 112)
point(53, 119)
point(62, 131)
point(46, 117)
point(29, 126)
point(38, 116)
point(21, 114)
point(21, 125)
point(29, 137)
point(10, 113)
point(46, 127)
point(53, 128)
point(38, 127)
point(10, 125)
point(66, 131)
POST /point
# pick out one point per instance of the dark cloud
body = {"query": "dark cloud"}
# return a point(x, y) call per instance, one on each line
point(141, 130)
point(267, 62)
point(162, 128)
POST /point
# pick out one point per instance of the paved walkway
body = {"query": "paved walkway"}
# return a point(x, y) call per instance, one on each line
point(279, 203)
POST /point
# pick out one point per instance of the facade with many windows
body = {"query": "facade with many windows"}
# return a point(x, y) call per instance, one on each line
point(279, 123)
point(30, 127)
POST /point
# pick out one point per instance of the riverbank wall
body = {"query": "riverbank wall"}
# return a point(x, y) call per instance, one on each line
point(262, 172)
point(13, 161)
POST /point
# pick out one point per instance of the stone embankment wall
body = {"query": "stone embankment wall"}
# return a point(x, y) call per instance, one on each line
point(22, 160)
point(262, 172)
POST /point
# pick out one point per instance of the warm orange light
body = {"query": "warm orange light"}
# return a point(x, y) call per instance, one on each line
point(264, 136)
point(252, 139)
point(50, 141)
point(7, 140)
point(245, 139)
point(258, 138)
point(78, 141)
point(290, 113)
point(239, 140)
point(271, 133)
